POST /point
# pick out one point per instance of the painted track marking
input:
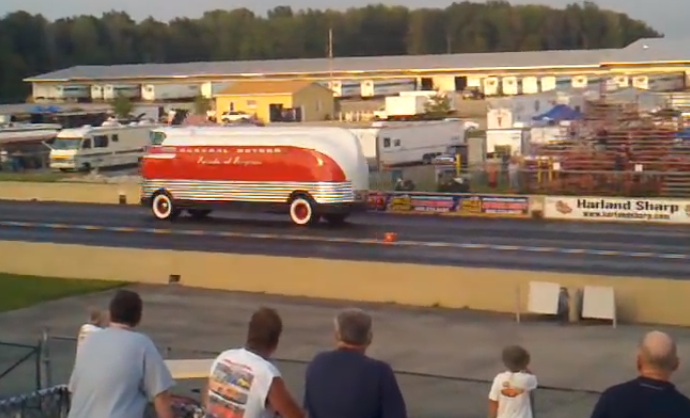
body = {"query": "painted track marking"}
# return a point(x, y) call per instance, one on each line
point(343, 240)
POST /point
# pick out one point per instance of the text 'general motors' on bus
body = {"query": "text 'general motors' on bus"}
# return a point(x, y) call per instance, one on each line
point(308, 172)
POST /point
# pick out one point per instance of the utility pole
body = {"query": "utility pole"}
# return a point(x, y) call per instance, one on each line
point(330, 54)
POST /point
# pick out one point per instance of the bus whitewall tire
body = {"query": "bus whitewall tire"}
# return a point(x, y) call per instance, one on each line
point(302, 211)
point(163, 207)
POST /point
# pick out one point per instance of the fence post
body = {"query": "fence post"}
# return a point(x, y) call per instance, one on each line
point(46, 360)
point(37, 363)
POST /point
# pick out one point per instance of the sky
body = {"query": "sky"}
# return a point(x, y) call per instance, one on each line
point(667, 16)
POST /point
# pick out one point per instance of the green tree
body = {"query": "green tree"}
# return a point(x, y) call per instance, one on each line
point(30, 44)
point(438, 106)
point(122, 107)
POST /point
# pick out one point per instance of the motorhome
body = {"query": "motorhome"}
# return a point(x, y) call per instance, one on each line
point(408, 143)
point(108, 145)
point(308, 172)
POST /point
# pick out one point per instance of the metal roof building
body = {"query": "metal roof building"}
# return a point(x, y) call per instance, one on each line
point(644, 51)
point(323, 66)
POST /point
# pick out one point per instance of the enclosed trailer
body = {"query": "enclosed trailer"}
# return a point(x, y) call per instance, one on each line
point(389, 87)
point(401, 144)
point(163, 92)
point(96, 92)
point(211, 88)
point(129, 91)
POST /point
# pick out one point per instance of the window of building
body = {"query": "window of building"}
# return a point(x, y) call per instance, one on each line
point(386, 142)
point(115, 137)
point(396, 142)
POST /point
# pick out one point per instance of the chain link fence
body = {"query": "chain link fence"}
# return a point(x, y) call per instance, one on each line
point(427, 396)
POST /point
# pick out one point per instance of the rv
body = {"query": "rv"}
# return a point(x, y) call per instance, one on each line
point(403, 143)
point(108, 145)
point(129, 91)
point(344, 88)
point(161, 92)
point(309, 173)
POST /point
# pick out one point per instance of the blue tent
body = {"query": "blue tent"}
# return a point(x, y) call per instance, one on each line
point(44, 109)
point(684, 135)
point(560, 112)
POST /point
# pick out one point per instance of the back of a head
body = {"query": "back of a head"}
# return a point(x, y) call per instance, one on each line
point(265, 328)
point(126, 308)
point(658, 352)
point(354, 327)
point(516, 358)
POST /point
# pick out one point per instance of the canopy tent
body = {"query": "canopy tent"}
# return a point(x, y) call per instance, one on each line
point(558, 113)
point(45, 109)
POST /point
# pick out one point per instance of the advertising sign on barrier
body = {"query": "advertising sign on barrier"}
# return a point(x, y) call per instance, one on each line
point(617, 209)
point(493, 206)
point(450, 204)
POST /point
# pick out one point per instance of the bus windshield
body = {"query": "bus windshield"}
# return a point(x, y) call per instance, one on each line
point(66, 143)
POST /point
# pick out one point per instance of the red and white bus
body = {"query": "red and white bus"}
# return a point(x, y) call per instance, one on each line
point(308, 172)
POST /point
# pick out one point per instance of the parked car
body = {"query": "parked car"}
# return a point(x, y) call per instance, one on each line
point(230, 117)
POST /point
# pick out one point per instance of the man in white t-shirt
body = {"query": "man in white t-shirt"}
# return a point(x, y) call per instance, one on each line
point(511, 393)
point(97, 320)
point(243, 383)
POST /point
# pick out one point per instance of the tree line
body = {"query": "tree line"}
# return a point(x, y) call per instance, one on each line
point(31, 44)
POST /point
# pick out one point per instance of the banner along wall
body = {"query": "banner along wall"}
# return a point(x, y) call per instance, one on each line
point(617, 209)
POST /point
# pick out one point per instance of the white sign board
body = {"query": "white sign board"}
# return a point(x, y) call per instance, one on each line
point(617, 209)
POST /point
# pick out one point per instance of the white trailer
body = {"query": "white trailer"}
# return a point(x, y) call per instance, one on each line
point(399, 143)
point(109, 145)
point(211, 88)
point(40, 91)
point(660, 82)
point(381, 88)
point(162, 92)
point(129, 91)
point(344, 88)
point(61, 92)
point(96, 92)
point(402, 108)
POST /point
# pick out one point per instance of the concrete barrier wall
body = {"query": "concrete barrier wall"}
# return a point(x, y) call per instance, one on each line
point(69, 192)
point(640, 300)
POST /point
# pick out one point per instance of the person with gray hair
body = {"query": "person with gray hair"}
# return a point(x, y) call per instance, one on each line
point(651, 394)
point(345, 383)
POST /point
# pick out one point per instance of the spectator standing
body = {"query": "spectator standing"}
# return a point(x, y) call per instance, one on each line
point(345, 383)
point(511, 394)
point(244, 383)
point(651, 394)
point(97, 321)
point(118, 370)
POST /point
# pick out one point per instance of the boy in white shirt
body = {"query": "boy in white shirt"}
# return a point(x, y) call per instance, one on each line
point(511, 393)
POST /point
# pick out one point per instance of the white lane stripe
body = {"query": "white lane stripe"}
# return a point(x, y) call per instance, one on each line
point(365, 241)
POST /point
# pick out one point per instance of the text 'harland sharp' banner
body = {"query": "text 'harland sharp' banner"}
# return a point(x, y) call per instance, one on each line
point(617, 209)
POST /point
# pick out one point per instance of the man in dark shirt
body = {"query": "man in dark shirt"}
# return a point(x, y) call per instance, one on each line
point(651, 394)
point(345, 383)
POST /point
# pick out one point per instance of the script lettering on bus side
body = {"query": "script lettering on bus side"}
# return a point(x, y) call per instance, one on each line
point(227, 161)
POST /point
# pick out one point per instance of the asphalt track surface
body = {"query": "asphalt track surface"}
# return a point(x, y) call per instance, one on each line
point(612, 249)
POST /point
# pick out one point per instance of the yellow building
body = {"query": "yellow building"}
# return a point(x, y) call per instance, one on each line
point(278, 101)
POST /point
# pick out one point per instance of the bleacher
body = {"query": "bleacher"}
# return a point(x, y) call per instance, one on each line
point(615, 150)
